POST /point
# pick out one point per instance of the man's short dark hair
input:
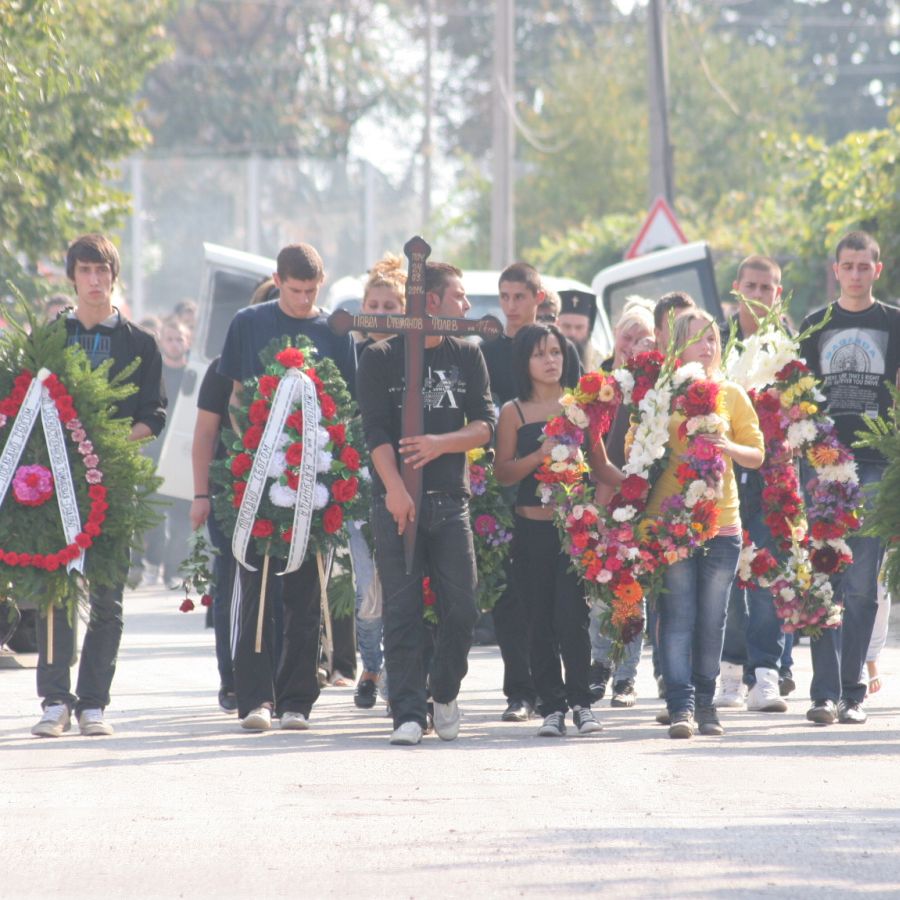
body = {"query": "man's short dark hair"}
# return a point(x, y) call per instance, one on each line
point(92, 248)
point(522, 273)
point(760, 264)
point(858, 240)
point(300, 261)
point(672, 300)
point(527, 338)
point(437, 276)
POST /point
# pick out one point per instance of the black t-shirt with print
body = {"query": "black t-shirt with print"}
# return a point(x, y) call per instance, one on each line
point(455, 391)
point(856, 355)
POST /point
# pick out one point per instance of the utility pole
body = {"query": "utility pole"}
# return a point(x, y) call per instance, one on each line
point(661, 176)
point(503, 136)
point(427, 146)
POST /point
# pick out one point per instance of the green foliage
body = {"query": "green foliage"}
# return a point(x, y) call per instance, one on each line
point(883, 509)
point(128, 475)
point(69, 73)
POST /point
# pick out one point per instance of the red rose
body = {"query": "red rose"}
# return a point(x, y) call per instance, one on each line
point(51, 563)
point(241, 464)
point(338, 433)
point(252, 437)
point(344, 489)
point(206, 600)
point(267, 385)
point(12, 558)
point(634, 487)
point(332, 519)
point(290, 357)
point(26, 559)
point(84, 540)
point(314, 378)
point(350, 458)
point(762, 563)
point(287, 536)
point(186, 605)
point(97, 492)
point(295, 421)
point(92, 528)
point(258, 412)
point(239, 488)
point(328, 407)
point(294, 454)
point(262, 528)
point(293, 480)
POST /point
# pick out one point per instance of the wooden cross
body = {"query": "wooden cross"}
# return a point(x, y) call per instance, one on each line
point(415, 325)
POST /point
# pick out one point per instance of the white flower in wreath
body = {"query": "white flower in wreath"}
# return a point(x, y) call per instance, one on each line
point(626, 383)
point(320, 496)
point(603, 576)
point(577, 416)
point(365, 474)
point(800, 433)
point(559, 453)
point(787, 594)
point(624, 513)
point(695, 493)
point(281, 495)
point(693, 371)
point(577, 512)
point(277, 464)
point(323, 464)
point(843, 473)
point(711, 424)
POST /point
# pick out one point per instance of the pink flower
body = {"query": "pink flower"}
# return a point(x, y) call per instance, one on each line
point(85, 447)
point(92, 461)
point(2, 420)
point(32, 485)
point(703, 449)
point(75, 425)
point(93, 476)
point(78, 434)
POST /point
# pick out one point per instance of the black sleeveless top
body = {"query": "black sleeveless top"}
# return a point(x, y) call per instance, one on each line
point(527, 441)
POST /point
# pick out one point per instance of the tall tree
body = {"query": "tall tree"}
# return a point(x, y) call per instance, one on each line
point(69, 76)
point(280, 79)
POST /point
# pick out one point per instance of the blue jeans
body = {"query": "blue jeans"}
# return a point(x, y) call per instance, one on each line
point(99, 652)
point(445, 552)
point(839, 655)
point(753, 635)
point(601, 646)
point(692, 622)
point(368, 630)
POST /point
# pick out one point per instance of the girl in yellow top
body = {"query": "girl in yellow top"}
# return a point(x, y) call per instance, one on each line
point(692, 606)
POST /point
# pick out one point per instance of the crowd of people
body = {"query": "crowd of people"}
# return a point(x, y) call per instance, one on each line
point(714, 643)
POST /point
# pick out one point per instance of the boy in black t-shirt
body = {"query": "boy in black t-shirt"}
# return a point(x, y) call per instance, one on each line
point(856, 355)
point(459, 416)
point(291, 691)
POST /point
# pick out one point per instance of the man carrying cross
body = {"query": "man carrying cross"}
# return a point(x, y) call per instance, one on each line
point(458, 416)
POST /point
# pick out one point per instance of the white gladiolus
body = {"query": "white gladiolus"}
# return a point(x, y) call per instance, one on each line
point(626, 383)
point(693, 371)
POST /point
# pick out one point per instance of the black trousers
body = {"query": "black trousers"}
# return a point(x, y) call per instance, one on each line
point(512, 626)
point(291, 685)
point(559, 617)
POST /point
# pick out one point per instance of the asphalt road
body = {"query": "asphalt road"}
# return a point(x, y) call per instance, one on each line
point(181, 803)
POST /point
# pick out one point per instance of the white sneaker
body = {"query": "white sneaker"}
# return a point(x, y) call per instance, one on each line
point(54, 722)
point(446, 720)
point(259, 719)
point(91, 723)
point(294, 721)
point(407, 734)
point(732, 690)
point(765, 696)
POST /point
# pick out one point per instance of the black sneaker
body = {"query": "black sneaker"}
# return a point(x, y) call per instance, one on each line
point(554, 725)
point(227, 701)
point(599, 678)
point(822, 712)
point(682, 725)
point(708, 721)
point(851, 713)
point(517, 711)
point(585, 720)
point(623, 693)
point(366, 693)
point(786, 683)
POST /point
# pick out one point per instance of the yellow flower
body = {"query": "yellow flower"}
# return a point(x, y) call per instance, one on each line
point(475, 454)
point(606, 393)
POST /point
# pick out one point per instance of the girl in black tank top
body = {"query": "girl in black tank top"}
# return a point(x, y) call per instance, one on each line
point(553, 596)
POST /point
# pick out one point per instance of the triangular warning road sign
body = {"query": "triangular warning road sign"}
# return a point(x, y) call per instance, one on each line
point(660, 230)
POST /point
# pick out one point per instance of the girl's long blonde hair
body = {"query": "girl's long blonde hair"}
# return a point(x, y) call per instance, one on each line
point(682, 335)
